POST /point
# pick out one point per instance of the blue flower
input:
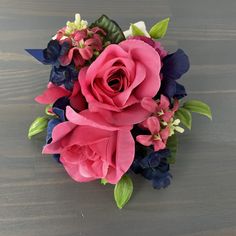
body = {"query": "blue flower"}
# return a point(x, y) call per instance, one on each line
point(51, 54)
point(51, 125)
point(153, 167)
point(54, 50)
point(59, 108)
point(60, 75)
point(174, 66)
point(64, 75)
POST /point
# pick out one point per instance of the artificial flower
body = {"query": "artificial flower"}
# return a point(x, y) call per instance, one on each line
point(154, 167)
point(158, 136)
point(113, 103)
point(155, 44)
point(141, 25)
point(116, 82)
point(53, 93)
point(83, 45)
point(160, 108)
point(174, 66)
point(92, 152)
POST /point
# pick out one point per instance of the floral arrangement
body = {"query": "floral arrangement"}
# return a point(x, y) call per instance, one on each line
point(113, 103)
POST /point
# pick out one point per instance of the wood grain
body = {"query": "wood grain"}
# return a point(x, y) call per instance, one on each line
point(36, 195)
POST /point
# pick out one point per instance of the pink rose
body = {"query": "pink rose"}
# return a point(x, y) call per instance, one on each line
point(117, 81)
point(90, 149)
point(53, 92)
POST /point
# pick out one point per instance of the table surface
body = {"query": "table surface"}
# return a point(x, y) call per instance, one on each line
point(36, 195)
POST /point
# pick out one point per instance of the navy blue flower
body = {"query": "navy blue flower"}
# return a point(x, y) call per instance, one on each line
point(64, 75)
point(60, 75)
point(54, 50)
point(162, 180)
point(153, 166)
point(174, 66)
point(50, 54)
point(59, 108)
point(51, 125)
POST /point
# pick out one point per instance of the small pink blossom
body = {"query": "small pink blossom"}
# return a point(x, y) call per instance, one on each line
point(158, 136)
point(83, 43)
point(160, 108)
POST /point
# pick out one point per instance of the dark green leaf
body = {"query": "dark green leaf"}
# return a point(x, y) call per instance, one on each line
point(38, 126)
point(198, 107)
point(172, 145)
point(123, 191)
point(113, 30)
point(185, 117)
point(158, 30)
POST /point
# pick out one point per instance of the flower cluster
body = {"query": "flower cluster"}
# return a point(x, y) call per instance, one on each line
point(113, 103)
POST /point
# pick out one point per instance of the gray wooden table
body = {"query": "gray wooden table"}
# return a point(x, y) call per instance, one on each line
point(36, 195)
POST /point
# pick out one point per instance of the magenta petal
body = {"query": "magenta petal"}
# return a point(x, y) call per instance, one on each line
point(72, 170)
point(135, 113)
point(145, 140)
point(165, 133)
point(167, 116)
point(80, 35)
point(149, 104)
point(58, 133)
point(158, 145)
point(109, 53)
point(150, 60)
point(140, 76)
point(176, 105)
point(74, 55)
point(153, 125)
point(86, 52)
point(93, 119)
point(124, 156)
point(51, 94)
point(164, 102)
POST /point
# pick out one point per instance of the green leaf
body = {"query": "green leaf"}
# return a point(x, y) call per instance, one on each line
point(158, 30)
point(185, 117)
point(123, 191)
point(38, 126)
point(136, 31)
point(172, 145)
point(47, 108)
point(113, 30)
point(198, 107)
point(104, 181)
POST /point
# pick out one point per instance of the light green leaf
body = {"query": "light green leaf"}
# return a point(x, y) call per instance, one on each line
point(158, 30)
point(185, 117)
point(38, 126)
point(114, 33)
point(136, 31)
point(172, 145)
point(123, 191)
point(47, 108)
point(198, 107)
point(104, 181)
